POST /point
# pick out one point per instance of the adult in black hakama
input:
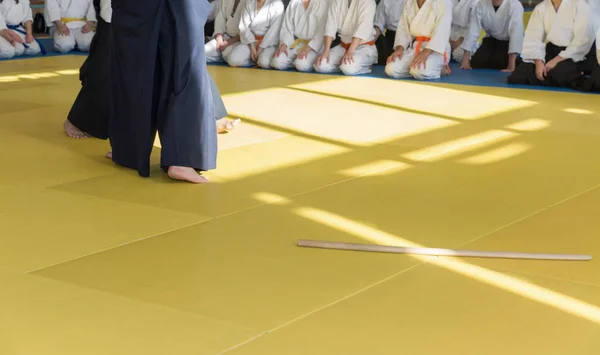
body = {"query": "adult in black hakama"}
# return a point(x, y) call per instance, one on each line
point(89, 113)
point(159, 82)
point(493, 54)
point(592, 83)
point(567, 74)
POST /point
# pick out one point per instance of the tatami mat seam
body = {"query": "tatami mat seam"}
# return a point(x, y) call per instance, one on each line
point(203, 221)
point(414, 267)
point(522, 219)
point(328, 305)
point(144, 302)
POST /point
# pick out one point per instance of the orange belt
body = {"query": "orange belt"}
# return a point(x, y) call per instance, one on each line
point(347, 45)
point(259, 40)
point(420, 40)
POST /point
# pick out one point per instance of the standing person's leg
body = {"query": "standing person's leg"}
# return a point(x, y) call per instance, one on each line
point(186, 118)
point(132, 126)
point(90, 111)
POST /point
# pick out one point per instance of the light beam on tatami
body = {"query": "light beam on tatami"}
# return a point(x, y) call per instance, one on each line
point(419, 98)
point(498, 154)
point(522, 288)
point(349, 122)
point(458, 146)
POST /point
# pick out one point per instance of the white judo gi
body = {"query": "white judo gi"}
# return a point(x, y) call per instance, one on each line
point(227, 22)
point(571, 27)
point(504, 24)
point(461, 19)
point(12, 17)
point(595, 12)
point(261, 28)
point(567, 33)
point(427, 27)
point(351, 19)
point(74, 14)
point(301, 27)
point(388, 15)
point(598, 46)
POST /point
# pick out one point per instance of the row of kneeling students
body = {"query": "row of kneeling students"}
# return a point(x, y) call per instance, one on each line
point(71, 24)
point(412, 38)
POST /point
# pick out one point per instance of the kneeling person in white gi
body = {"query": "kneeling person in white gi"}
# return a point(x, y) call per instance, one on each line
point(71, 23)
point(301, 37)
point(16, 35)
point(259, 33)
point(356, 54)
point(227, 32)
point(422, 45)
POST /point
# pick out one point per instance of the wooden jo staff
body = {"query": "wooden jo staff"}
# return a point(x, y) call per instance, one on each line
point(439, 252)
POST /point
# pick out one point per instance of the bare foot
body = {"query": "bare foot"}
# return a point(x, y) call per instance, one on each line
point(224, 125)
point(182, 173)
point(108, 155)
point(73, 131)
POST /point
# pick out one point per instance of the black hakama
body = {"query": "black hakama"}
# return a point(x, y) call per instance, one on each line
point(385, 46)
point(590, 62)
point(567, 73)
point(492, 54)
point(159, 82)
point(593, 82)
point(90, 110)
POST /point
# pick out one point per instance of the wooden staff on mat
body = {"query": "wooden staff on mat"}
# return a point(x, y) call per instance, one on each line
point(439, 252)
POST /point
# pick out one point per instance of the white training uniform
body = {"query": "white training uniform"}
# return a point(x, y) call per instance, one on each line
point(227, 24)
point(13, 14)
point(432, 24)
point(569, 27)
point(351, 19)
point(461, 19)
point(595, 12)
point(214, 9)
point(388, 14)
point(598, 46)
point(260, 27)
point(75, 14)
point(106, 10)
point(301, 27)
point(505, 24)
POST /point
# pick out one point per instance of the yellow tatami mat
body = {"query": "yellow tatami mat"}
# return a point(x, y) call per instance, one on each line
point(96, 260)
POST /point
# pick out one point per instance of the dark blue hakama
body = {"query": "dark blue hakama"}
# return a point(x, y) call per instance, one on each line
point(159, 82)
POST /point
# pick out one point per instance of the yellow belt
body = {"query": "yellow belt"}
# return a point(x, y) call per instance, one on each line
point(72, 19)
point(298, 41)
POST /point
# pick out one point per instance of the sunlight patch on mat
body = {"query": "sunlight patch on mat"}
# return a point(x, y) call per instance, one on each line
point(425, 99)
point(35, 76)
point(459, 146)
point(510, 284)
point(498, 154)
point(269, 198)
point(578, 111)
point(376, 168)
point(348, 122)
point(272, 156)
point(530, 125)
